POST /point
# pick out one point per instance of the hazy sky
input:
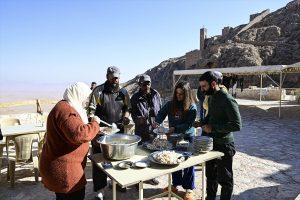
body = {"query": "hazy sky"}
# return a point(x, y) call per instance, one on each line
point(59, 41)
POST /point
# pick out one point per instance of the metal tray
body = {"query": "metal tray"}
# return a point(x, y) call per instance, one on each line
point(152, 159)
point(161, 133)
point(156, 149)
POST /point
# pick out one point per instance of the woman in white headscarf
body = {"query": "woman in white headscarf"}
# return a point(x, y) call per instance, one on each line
point(64, 153)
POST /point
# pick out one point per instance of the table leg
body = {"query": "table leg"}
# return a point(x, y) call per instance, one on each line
point(169, 186)
point(141, 191)
point(203, 181)
point(114, 188)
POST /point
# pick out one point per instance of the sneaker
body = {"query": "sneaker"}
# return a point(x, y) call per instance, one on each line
point(189, 195)
point(99, 198)
point(173, 189)
point(152, 182)
point(100, 195)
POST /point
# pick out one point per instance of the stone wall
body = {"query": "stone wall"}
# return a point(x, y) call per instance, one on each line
point(267, 93)
point(203, 36)
point(253, 16)
point(226, 30)
point(191, 58)
point(255, 19)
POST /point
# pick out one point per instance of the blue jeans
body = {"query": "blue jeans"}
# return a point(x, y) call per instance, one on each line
point(185, 177)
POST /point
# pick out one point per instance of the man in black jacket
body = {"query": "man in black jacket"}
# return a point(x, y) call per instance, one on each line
point(112, 104)
point(145, 105)
point(223, 118)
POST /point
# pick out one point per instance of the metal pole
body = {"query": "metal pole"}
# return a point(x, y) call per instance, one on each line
point(114, 190)
point(272, 80)
point(141, 192)
point(173, 81)
point(260, 92)
point(280, 94)
point(203, 181)
point(169, 186)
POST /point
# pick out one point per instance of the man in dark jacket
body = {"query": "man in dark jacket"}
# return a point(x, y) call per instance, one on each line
point(223, 118)
point(111, 104)
point(145, 105)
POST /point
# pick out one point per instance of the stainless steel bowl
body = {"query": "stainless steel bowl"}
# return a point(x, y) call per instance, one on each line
point(118, 146)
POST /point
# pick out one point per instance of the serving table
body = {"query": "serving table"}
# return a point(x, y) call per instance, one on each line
point(131, 176)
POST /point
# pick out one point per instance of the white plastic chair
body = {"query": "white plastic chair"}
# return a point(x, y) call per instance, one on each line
point(6, 122)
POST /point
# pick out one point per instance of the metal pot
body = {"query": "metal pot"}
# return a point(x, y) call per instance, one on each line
point(118, 146)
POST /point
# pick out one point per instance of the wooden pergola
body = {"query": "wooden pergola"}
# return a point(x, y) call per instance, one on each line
point(282, 70)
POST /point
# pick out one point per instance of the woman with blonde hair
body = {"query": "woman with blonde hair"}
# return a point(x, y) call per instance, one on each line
point(64, 153)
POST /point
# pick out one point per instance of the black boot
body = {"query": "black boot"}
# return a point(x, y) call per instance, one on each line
point(119, 188)
point(152, 181)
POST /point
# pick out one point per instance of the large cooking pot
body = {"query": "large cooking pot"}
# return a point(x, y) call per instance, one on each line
point(118, 146)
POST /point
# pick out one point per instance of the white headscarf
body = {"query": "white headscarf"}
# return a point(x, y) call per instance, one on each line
point(76, 95)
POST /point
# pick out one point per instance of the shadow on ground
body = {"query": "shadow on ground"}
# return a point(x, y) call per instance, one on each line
point(277, 143)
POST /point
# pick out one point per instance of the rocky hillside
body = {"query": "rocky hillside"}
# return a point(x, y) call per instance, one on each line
point(161, 75)
point(273, 40)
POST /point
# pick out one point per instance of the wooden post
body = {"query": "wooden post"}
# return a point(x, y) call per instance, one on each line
point(38, 107)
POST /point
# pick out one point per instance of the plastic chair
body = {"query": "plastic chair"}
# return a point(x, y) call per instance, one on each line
point(42, 139)
point(23, 147)
point(42, 118)
point(6, 122)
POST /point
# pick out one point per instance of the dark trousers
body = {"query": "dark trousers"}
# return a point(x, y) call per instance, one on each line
point(99, 177)
point(77, 195)
point(219, 171)
point(143, 133)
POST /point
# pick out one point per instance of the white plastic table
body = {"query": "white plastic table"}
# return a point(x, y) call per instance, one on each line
point(133, 176)
point(22, 129)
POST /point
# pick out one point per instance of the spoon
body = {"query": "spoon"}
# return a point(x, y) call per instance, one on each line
point(113, 125)
point(104, 122)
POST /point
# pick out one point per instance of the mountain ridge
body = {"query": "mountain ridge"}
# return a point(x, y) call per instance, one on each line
point(271, 39)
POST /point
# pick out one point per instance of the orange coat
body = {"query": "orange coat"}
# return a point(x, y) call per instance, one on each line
point(64, 153)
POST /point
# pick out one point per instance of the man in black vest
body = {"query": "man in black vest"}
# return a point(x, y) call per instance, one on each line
point(112, 104)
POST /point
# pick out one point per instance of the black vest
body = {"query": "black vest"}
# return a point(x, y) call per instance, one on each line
point(112, 106)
